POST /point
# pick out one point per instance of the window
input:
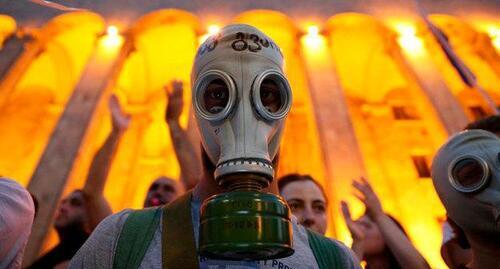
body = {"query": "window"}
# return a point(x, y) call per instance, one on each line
point(422, 166)
point(478, 112)
point(404, 113)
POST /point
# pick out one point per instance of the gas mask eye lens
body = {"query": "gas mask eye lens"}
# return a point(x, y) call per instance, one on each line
point(469, 174)
point(216, 96)
point(270, 95)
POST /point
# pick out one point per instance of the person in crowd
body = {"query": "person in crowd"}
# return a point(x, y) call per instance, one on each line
point(189, 162)
point(16, 217)
point(163, 191)
point(81, 210)
point(306, 199)
point(466, 175)
point(490, 124)
point(70, 224)
point(378, 238)
point(455, 249)
point(84, 209)
point(222, 62)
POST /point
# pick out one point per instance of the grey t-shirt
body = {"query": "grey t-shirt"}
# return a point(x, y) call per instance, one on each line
point(98, 251)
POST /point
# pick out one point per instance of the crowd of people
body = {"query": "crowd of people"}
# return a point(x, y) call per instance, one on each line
point(465, 173)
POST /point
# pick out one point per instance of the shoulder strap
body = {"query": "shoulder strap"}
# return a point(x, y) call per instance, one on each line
point(135, 237)
point(178, 243)
point(325, 251)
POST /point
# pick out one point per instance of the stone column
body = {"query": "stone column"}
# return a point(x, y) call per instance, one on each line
point(50, 177)
point(342, 156)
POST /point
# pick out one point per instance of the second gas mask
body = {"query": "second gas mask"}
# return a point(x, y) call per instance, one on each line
point(466, 175)
point(241, 99)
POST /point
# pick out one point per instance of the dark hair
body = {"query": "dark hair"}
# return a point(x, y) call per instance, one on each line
point(393, 262)
point(490, 124)
point(290, 178)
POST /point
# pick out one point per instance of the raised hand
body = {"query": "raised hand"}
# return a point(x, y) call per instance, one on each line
point(357, 231)
point(120, 120)
point(368, 197)
point(175, 102)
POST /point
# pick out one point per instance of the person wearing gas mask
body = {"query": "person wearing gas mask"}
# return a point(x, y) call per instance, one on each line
point(233, 217)
point(466, 176)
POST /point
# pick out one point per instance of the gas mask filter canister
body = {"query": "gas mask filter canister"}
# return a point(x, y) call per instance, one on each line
point(241, 99)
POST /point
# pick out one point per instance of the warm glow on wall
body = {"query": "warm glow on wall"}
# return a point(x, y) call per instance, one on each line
point(375, 82)
point(146, 150)
point(112, 39)
point(408, 38)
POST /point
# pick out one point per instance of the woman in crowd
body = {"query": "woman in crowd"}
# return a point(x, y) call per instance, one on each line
point(378, 239)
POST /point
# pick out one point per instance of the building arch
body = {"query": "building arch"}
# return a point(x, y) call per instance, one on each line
point(164, 44)
point(45, 74)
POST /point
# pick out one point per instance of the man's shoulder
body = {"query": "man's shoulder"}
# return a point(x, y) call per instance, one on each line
point(98, 251)
point(114, 221)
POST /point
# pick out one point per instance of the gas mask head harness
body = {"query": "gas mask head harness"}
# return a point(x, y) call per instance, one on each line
point(466, 175)
point(241, 99)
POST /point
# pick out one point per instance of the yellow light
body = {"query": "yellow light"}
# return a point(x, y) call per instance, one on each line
point(494, 33)
point(211, 30)
point(408, 38)
point(313, 40)
point(112, 30)
point(313, 30)
point(112, 39)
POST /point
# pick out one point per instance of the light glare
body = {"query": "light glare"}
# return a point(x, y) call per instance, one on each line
point(408, 38)
point(213, 29)
point(494, 33)
point(313, 30)
point(112, 39)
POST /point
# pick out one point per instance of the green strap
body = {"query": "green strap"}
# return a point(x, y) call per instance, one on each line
point(135, 237)
point(178, 243)
point(325, 251)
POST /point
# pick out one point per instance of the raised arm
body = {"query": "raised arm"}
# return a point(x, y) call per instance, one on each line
point(402, 248)
point(184, 150)
point(96, 204)
point(357, 231)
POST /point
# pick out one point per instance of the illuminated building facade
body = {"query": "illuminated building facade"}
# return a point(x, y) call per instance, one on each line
point(374, 94)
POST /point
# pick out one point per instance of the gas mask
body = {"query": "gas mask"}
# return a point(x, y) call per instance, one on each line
point(466, 175)
point(241, 99)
